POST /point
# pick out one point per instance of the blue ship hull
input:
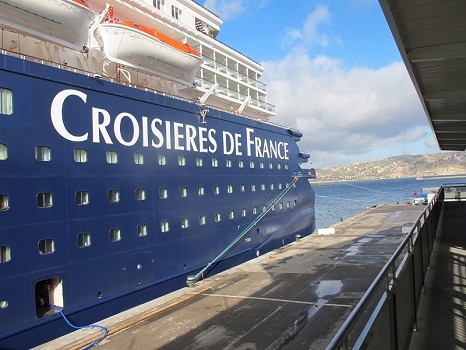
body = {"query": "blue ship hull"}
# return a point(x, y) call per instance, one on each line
point(111, 196)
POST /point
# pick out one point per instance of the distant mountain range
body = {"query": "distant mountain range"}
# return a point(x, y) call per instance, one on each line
point(427, 165)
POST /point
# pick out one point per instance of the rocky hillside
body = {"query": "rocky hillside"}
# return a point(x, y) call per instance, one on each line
point(442, 164)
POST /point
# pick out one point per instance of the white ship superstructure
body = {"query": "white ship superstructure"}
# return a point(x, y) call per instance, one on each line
point(115, 40)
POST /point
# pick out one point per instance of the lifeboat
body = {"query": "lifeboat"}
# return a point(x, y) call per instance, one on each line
point(134, 45)
point(64, 22)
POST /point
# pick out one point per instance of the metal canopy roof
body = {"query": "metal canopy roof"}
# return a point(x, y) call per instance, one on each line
point(431, 37)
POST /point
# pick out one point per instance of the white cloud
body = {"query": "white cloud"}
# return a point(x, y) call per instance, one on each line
point(226, 9)
point(308, 34)
point(347, 114)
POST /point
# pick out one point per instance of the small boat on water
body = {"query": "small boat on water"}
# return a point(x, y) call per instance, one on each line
point(64, 22)
point(132, 44)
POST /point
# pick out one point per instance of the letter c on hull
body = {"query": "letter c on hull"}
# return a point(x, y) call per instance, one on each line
point(56, 114)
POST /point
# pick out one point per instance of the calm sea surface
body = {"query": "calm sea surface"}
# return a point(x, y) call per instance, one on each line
point(345, 199)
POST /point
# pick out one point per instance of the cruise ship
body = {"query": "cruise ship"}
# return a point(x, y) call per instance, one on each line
point(136, 155)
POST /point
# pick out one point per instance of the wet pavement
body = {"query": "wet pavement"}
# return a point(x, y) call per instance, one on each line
point(293, 298)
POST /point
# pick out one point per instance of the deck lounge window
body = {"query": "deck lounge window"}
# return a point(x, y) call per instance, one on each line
point(43, 154)
point(115, 234)
point(163, 192)
point(80, 155)
point(161, 159)
point(5, 253)
point(4, 204)
point(140, 194)
point(46, 246)
point(138, 158)
point(176, 12)
point(142, 230)
point(113, 196)
point(164, 226)
point(199, 161)
point(84, 240)
point(112, 157)
point(3, 152)
point(44, 200)
point(6, 101)
point(82, 198)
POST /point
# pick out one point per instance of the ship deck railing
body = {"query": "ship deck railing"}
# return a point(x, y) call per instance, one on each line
point(387, 314)
point(135, 85)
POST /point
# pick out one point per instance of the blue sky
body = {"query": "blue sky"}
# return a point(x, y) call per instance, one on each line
point(333, 71)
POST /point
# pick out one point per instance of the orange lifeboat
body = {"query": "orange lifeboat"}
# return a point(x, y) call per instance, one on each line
point(138, 46)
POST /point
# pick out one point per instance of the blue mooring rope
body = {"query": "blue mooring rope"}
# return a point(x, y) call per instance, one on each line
point(103, 329)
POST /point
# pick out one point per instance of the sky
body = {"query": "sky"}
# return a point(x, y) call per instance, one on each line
point(334, 72)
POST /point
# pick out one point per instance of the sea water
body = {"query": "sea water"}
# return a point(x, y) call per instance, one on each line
point(340, 200)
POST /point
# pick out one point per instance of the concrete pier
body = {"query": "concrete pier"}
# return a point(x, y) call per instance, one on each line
point(293, 298)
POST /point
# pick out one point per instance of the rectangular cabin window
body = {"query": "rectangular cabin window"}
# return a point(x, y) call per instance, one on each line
point(140, 194)
point(231, 214)
point(202, 220)
point(183, 192)
point(138, 158)
point(216, 189)
point(242, 188)
point(164, 226)
point(46, 246)
point(218, 217)
point(5, 253)
point(214, 162)
point(254, 211)
point(288, 204)
point(6, 101)
point(115, 234)
point(4, 205)
point(251, 164)
point(184, 223)
point(286, 165)
point(280, 186)
point(201, 190)
point(84, 240)
point(176, 12)
point(163, 192)
point(112, 157)
point(161, 159)
point(113, 196)
point(263, 187)
point(199, 161)
point(82, 198)
point(142, 230)
point(3, 152)
point(272, 186)
point(80, 155)
point(229, 189)
point(243, 212)
point(44, 200)
point(181, 160)
point(280, 205)
point(253, 188)
point(270, 165)
point(262, 164)
point(279, 165)
point(43, 154)
point(228, 163)
point(241, 163)
point(157, 4)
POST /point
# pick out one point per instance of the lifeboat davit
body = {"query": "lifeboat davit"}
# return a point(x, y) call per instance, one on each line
point(64, 22)
point(134, 45)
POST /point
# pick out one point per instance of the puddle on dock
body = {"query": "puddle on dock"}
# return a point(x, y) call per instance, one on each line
point(324, 288)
